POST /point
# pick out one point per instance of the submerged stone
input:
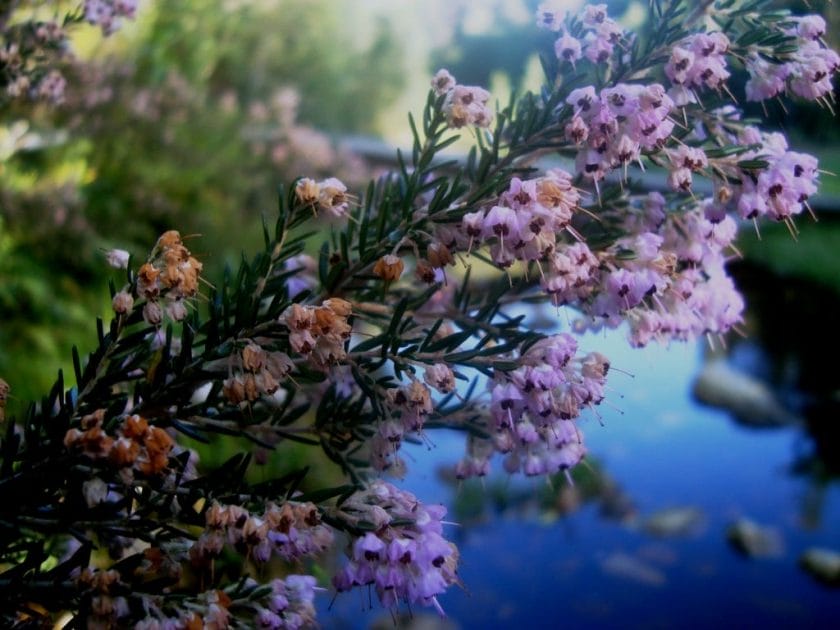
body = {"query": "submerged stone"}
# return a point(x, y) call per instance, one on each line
point(823, 564)
point(678, 521)
point(628, 567)
point(748, 399)
point(754, 540)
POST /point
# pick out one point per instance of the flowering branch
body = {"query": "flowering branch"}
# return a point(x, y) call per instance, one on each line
point(404, 315)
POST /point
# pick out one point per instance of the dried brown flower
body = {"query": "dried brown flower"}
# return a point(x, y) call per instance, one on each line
point(389, 268)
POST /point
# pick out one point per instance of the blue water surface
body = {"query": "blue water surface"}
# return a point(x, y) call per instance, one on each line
point(665, 451)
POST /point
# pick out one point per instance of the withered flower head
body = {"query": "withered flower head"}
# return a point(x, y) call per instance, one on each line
point(298, 317)
point(419, 397)
point(424, 272)
point(389, 268)
point(234, 390)
point(340, 307)
point(439, 255)
point(307, 191)
point(135, 427)
point(147, 280)
point(253, 357)
point(169, 239)
point(124, 452)
point(94, 419)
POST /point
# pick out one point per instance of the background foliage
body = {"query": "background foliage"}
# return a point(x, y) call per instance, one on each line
point(190, 118)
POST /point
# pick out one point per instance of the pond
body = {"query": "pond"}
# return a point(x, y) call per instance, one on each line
point(649, 547)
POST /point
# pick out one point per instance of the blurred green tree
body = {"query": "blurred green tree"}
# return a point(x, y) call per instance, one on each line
point(189, 121)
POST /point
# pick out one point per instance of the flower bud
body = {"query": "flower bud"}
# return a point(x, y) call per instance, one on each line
point(117, 258)
point(419, 397)
point(122, 303)
point(267, 383)
point(298, 317)
point(92, 420)
point(216, 516)
point(153, 313)
point(176, 310)
point(279, 364)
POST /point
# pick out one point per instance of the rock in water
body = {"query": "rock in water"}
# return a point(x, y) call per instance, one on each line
point(823, 564)
point(754, 540)
point(678, 521)
point(625, 566)
point(749, 400)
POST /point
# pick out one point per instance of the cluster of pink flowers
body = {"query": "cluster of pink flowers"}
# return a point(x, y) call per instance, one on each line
point(778, 189)
point(533, 407)
point(691, 293)
point(404, 556)
point(685, 161)
point(697, 62)
point(781, 190)
point(108, 14)
point(613, 127)
point(290, 531)
point(525, 222)
point(51, 87)
point(32, 49)
point(464, 104)
point(623, 283)
point(601, 34)
point(408, 406)
point(23, 63)
point(806, 74)
point(569, 273)
point(666, 278)
point(290, 605)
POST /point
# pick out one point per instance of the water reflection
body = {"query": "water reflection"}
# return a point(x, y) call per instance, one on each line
point(661, 529)
point(790, 346)
point(476, 502)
